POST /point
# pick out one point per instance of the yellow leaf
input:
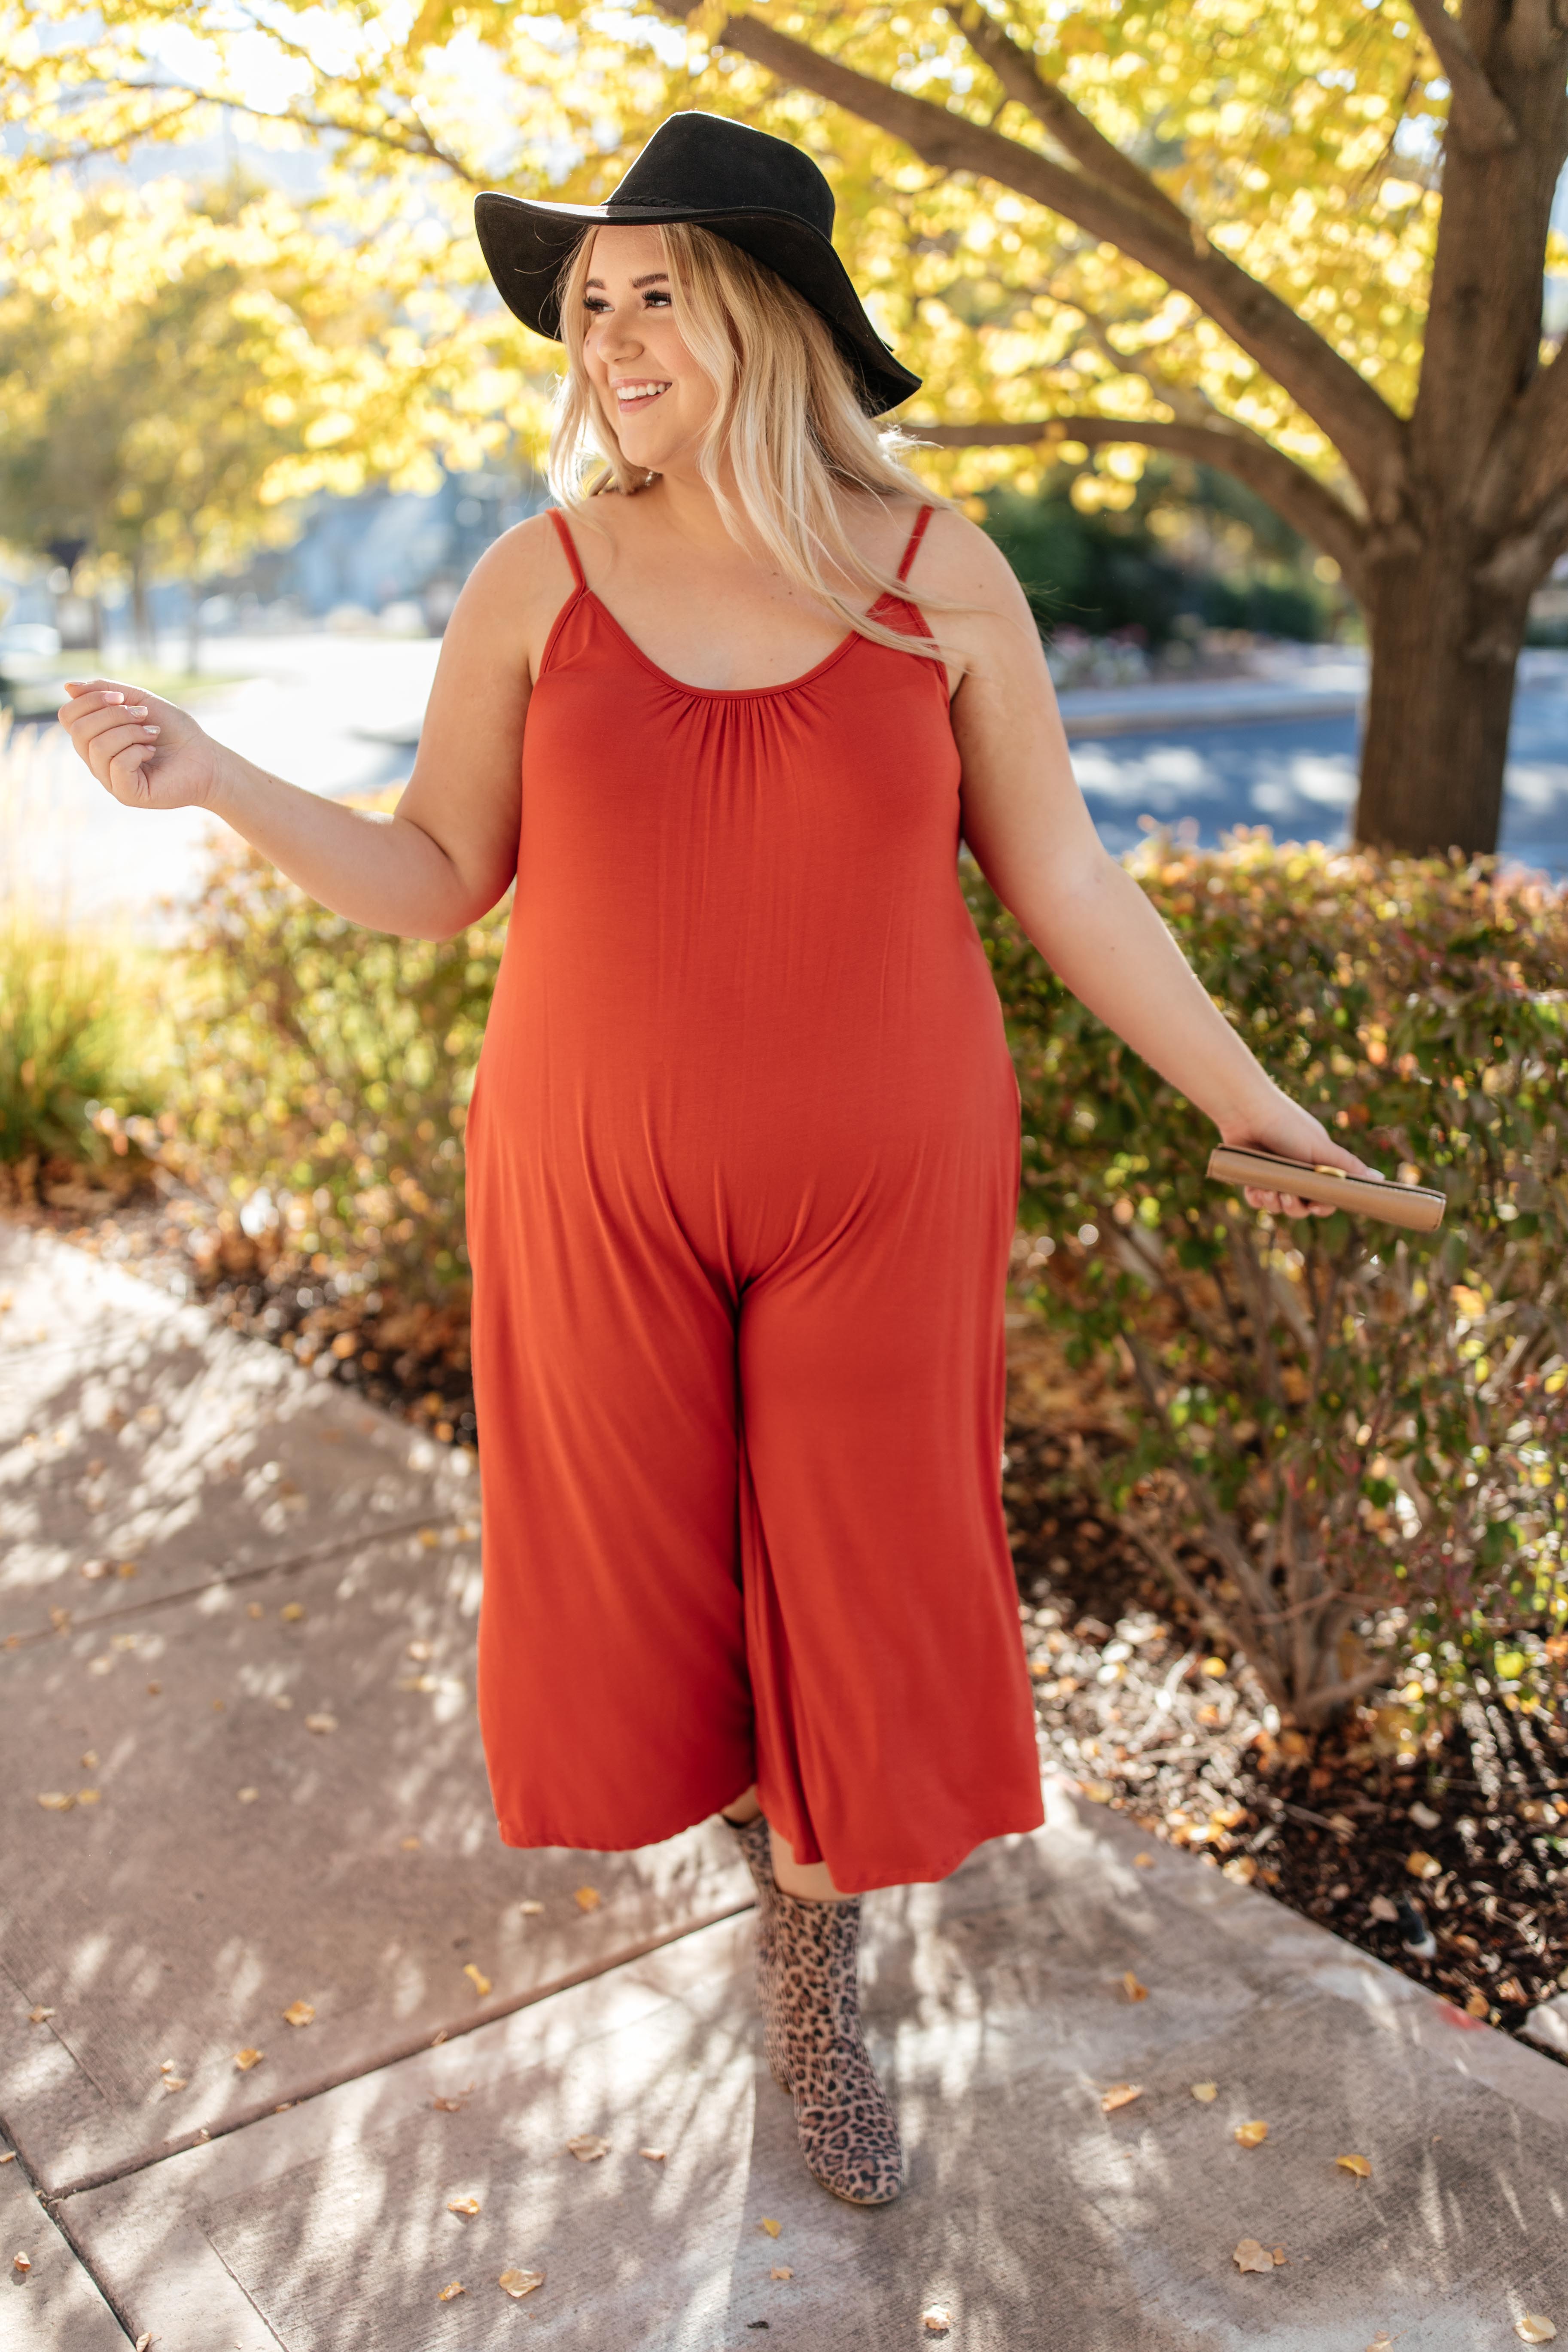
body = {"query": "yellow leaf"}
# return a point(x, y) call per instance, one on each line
point(1142, 1861)
point(781, 2270)
point(1215, 1668)
point(937, 2320)
point(298, 2012)
point(476, 1978)
point(56, 1802)
point(587, 1898)
point(1477, 2004)
point(1251, 2134)
point(1206, 2092)
point(1356, 2164)
point(420, 1652)
point(772, 2228)
point(531, 1910)
point(1121, 2094)
point(587, 2148)
point(1423, 1866)
point(174, 2082)
point(1250, 2256)
point(428, 1538)
point(1131, 1988)
point(291, 1611)
point(516, 2284)
point(1382, 2342)
point(1098, 1792)
point(465, 2205)
point(654, 2155)
point(410, 1845)
point(450, 2293)
point(1241, 1869)
point(248, 1796)
point(1534, 2328)
point(21, 2264)
point(245, 2059)
point(321, 1722)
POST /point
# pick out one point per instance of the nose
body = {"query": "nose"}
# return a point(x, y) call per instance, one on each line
point(617, 336)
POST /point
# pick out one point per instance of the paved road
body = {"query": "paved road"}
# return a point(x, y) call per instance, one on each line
point(341, 714)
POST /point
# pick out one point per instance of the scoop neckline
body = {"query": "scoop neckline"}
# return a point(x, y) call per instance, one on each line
point(726, 693)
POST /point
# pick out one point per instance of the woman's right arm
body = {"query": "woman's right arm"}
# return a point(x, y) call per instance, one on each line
point(447, 852)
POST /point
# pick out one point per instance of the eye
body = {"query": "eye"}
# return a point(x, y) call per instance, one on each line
point(657, 296)
point(595, 302)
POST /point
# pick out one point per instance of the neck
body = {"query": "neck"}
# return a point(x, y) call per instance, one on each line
point(689, 506)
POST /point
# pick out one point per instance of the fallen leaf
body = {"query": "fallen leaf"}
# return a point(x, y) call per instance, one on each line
point(1534, 2328)
point(410, 1845)
point(1251, 2134)
point(476, 1978)
point(174, 2082)
point(1477, 2004)
point(465, 2205)
point(1423, 1866)
point(587, 1898)
point(1241, 1869)
point(421, 1650)
point(1356, 2164)
point(245, 2059)
point(450, 2293)
point(1425, 1818)
point(654, 2155)
point(1142, 1861)
point(154, 1690)
point(937, 2320)
point(450, 2106)
point(291, 1611)
point(1098, 1792)
point(428, 1538)
point(9, 2156)
point(39, 2016)
point(89, 1761)
point(21, 2264)
point(1214, 1668)
point(1381, 2342)
point(781, 2270)
point(1250, 2256)
point(531, 1910)
point(772, 2228)
point(253, 1609)
point(1131, 1988)
point(321, 1722)
point(1206, 2091)
point(587, 2148)
point(142, 2343)
point(54, 1801)
point(1121, 2094)
point(248, 1796)
point(298, 2012)
point(516, 2284)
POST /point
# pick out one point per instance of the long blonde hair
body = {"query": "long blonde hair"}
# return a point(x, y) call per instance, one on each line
point(786, 410)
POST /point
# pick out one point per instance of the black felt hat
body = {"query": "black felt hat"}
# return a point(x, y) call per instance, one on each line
point(758, 192)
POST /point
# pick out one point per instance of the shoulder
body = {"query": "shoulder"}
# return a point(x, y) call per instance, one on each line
point(957, 559)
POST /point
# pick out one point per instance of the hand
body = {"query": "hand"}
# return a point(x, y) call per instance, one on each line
point(144, 752)
point(1281, 1126)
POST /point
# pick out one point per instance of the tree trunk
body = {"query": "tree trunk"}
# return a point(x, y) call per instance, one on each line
point(141, 636)
point(1437, 711)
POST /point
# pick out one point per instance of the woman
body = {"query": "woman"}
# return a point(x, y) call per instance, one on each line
point(743, 1141)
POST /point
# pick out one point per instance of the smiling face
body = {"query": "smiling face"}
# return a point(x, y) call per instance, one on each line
point(652, 389)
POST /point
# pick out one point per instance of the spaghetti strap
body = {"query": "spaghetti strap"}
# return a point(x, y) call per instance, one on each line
point(569, 548)
point(916, 535)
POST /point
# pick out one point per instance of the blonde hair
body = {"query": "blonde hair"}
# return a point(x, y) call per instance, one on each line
point(787, 410)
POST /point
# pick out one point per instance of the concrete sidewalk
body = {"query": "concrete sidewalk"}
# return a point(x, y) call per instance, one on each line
point(276, 1715)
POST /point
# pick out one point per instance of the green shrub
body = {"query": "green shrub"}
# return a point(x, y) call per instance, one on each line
point(1343, 1416)
point(325, 1079)
point(77, 1031)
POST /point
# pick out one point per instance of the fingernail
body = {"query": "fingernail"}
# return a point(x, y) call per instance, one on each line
point(136, 710)
point(152, 730)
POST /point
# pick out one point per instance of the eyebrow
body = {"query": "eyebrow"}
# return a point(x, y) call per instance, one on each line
point(654, 277)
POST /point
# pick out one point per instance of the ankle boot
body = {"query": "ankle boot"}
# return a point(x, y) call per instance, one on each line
point(756, 1848)
point(849, 2134)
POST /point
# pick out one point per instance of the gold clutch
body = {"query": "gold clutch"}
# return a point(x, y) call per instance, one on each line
point(1416, 1206)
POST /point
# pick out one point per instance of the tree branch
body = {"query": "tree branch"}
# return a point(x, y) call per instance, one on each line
point(1290, 490)
point(421, 142)
point(1477, 115)
point(1023, 82)
point(1367, 431)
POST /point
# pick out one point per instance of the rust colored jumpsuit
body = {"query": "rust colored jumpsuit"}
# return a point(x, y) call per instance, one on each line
point(743, 1157)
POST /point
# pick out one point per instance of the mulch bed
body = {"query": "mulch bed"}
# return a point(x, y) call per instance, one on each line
point(1451, 1864)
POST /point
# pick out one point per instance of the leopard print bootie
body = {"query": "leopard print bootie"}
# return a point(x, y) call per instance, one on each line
point(756, 1848)
point(849, 2136)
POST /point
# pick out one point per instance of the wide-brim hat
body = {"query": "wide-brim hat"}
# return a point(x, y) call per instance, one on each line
point(756, 190)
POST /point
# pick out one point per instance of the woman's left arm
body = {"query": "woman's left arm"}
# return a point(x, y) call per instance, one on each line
point(1025, 822)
